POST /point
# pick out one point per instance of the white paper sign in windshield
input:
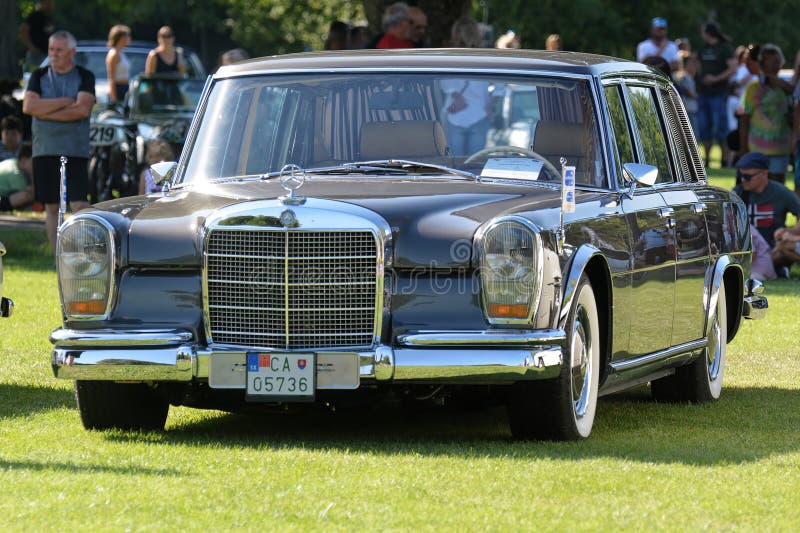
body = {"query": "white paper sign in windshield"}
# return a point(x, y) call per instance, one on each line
point(517, 168)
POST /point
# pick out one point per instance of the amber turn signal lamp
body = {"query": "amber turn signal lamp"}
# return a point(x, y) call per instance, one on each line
point(91, 307)
point(508, 311)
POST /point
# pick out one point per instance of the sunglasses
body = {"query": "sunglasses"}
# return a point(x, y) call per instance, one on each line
point(167, 35)
point(748, 176)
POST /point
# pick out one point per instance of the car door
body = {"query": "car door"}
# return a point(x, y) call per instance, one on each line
point(691, 229)
point(648, 298)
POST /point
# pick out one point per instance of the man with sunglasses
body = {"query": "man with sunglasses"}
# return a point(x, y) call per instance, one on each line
point(768, 202)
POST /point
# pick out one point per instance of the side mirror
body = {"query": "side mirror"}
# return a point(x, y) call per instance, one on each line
point(638, 173)
point(163, 171)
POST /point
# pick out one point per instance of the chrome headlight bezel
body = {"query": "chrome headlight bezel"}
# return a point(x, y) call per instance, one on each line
point(101, 268)
point(533, 270)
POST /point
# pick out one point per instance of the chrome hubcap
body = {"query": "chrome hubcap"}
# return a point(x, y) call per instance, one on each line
point(581, 365)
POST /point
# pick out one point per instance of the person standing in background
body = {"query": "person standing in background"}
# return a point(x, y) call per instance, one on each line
point(59, 97)
point(165, 57)
point(468, 102)
point(34, 32)
point(764, 125)
point(659, 45)
point(117, 64)
point(717, 65)
point(418, 27)
point(553, 42)
point(396, 25)
point(685, 80)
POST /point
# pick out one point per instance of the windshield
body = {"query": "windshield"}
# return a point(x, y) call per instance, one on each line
point(493, 126)
point(166, 95)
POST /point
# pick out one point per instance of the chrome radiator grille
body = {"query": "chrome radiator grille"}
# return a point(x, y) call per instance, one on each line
point(292, 289)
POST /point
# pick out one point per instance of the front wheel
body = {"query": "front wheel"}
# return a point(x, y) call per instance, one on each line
point(107, 405)
point(701, 380)
point(564, 408)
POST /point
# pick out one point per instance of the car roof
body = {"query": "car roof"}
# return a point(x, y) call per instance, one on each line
point(442, 58)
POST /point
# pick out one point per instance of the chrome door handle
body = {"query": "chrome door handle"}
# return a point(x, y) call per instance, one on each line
point(698, 208)
point(665, 212)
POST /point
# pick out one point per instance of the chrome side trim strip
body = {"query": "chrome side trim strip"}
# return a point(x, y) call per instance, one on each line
point(119, 338)
point(482, 338)
point(657, 356)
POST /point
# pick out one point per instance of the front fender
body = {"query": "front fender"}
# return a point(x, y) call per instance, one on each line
point(577, 266)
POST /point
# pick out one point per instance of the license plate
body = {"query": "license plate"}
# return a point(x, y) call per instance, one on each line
point(101, 135)
point(280, 376)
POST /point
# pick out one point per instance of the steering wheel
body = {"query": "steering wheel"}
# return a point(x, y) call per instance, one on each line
point(504, 149)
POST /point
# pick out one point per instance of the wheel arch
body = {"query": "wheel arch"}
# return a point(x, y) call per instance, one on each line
point(590, 261)
point(727, 275)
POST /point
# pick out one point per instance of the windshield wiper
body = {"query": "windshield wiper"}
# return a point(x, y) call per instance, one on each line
point(394, 166)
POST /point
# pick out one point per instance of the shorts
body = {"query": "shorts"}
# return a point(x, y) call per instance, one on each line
point(47, 179)
point(778, 164)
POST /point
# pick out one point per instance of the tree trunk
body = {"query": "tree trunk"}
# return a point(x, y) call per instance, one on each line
point(441, 15)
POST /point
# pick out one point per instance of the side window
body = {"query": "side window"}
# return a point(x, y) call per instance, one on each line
point(651, 132)
point(616, 111)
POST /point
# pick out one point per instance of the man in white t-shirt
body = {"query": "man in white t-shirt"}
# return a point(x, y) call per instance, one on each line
point(659, 45)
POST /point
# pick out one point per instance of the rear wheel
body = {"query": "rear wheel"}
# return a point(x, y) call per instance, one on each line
point(564, 408)
point(107, 405)
point(700, 381)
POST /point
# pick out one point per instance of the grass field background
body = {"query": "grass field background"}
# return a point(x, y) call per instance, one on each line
point(731, 465)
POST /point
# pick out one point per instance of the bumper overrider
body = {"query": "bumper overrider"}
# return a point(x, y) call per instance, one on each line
point(470, 357)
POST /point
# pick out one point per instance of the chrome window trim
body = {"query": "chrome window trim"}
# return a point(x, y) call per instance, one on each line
point(538, 265)
point(191, 134)
point(372, 222)
point(111, 299)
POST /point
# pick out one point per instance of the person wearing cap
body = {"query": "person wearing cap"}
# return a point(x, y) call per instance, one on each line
point(659, 45)
point(763, 126)
point(767, 201)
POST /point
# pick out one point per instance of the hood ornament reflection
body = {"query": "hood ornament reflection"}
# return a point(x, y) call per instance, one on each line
point(292, 178)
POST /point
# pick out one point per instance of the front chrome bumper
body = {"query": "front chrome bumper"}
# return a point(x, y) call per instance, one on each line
point(485, 357)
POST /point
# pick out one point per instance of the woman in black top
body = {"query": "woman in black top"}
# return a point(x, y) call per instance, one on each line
point(165, 57)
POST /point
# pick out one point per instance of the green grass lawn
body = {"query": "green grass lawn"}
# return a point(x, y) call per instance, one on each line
point(731, 465)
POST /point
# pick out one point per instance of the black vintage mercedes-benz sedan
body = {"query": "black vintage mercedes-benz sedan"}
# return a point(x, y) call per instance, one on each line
point(532, 228)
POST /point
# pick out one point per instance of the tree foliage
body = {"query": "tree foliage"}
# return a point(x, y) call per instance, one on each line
point(266, 27)
point(614, 27)
point(276, 26)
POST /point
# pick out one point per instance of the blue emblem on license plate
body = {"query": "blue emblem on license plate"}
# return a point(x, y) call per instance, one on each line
point(252, 362)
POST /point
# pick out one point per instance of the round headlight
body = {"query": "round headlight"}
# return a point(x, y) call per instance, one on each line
point(84, 248)
point(85, 255)
point(509, 271)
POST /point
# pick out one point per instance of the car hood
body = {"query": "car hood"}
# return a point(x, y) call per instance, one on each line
point(433, 221)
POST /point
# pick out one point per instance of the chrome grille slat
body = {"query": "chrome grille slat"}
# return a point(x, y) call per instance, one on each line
point(295, 289)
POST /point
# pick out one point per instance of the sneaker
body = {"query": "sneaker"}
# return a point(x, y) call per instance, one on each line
point(782, 272)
